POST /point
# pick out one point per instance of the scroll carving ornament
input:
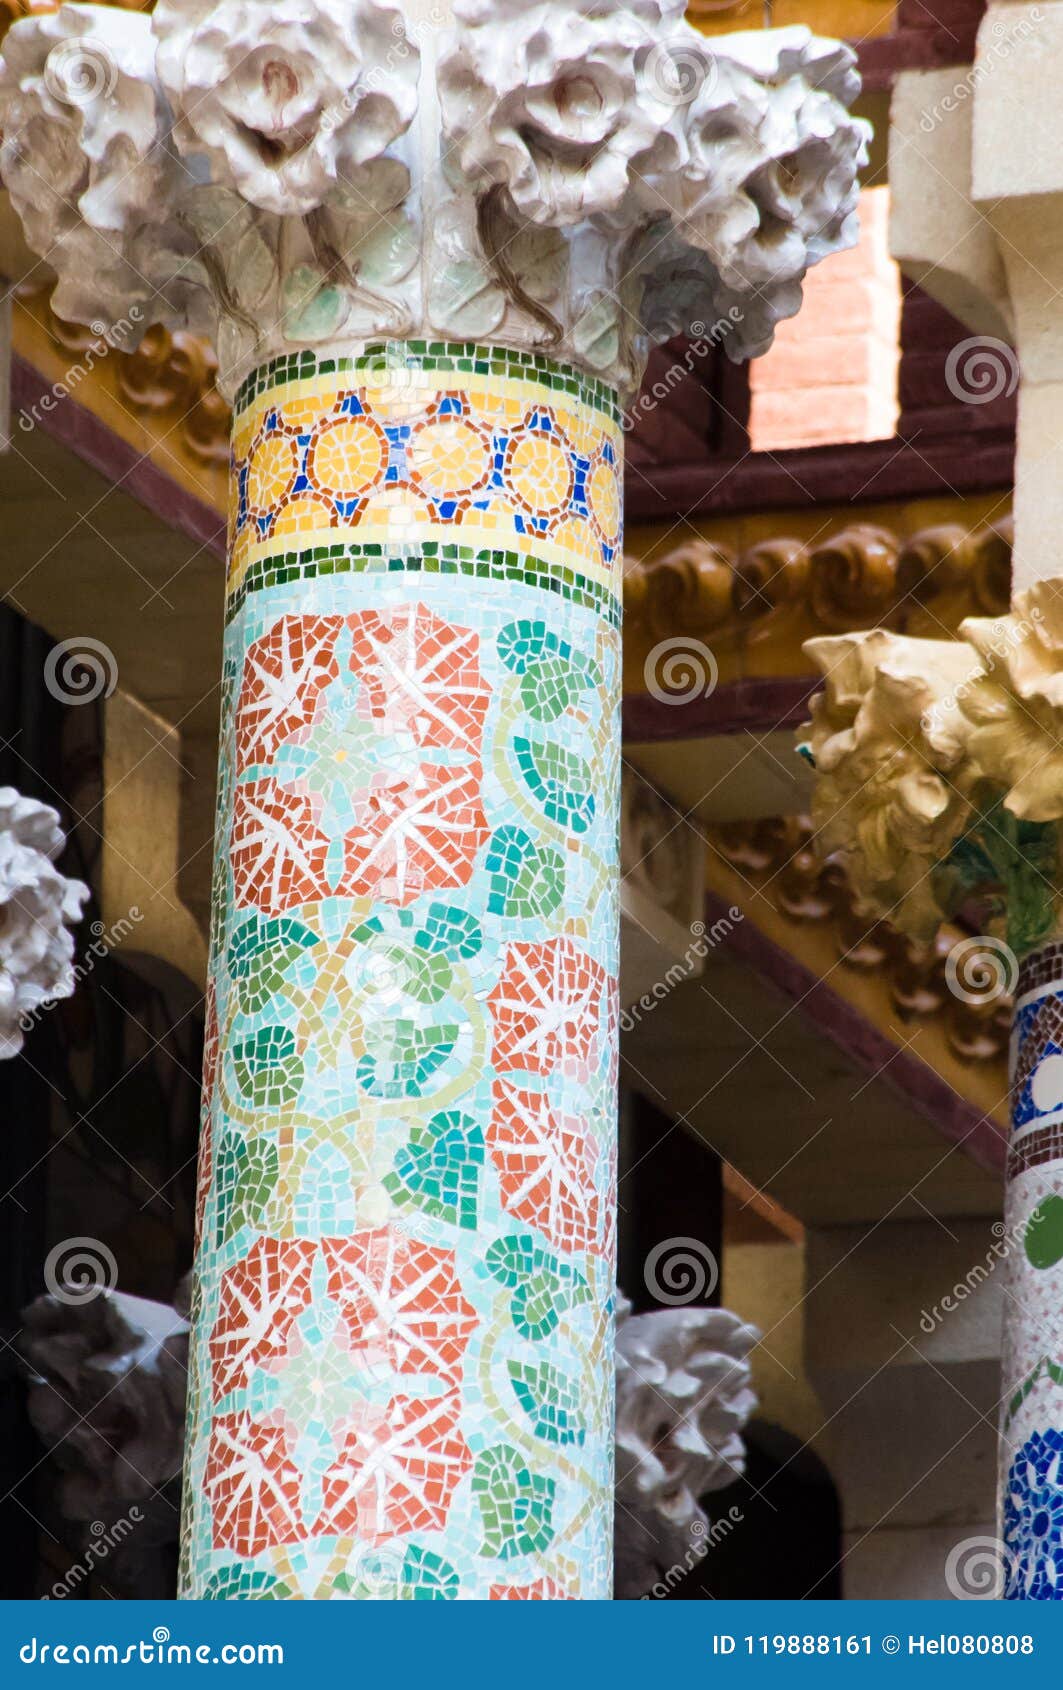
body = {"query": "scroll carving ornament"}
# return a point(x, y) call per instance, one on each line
point(939, 769)
point(781, 859)
point(250, 170)
point(859, 576)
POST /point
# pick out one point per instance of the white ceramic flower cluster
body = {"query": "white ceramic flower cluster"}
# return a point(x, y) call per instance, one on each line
point(683, 1396)
point(287, 102)
point(244, 167)
point(682, 1387)
point(625, 116)
point(108, 1379)
point(36, 903)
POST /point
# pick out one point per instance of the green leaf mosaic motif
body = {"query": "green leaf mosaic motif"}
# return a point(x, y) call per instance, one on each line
point(550, 1400)
point(438, 1170)
point(269, 1071)
point(516, 1505)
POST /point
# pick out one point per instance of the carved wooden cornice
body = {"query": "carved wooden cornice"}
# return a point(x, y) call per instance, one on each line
point(159, 406)
point(170, 375)
point(753, 609)
point(776, 857)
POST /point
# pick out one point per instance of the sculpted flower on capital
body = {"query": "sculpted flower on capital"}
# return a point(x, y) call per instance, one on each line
point(895, 787)
point(288, 101)
point(766, 184)
point(1015, 709)
point(739, 151)
point(557, 103)
point(38, 908)
point(683, 1396)
point(83, 154)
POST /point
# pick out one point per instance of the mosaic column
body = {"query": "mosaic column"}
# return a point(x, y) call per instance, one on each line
point(1031, 1479)
point(404, 1318)
point(432, 247)
point(940, 780)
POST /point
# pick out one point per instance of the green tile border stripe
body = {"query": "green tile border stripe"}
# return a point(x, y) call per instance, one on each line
point(429, 558)
point(452, 358)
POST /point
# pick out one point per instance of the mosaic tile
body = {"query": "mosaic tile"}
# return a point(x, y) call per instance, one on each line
point(401, 1356)
point(1032, 1267)
point(406, 359)
point(427, 558)
point(383, 462)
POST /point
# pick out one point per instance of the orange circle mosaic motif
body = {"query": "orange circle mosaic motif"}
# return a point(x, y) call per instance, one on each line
point(539, 470)
point(346, 457)
point(388, 459)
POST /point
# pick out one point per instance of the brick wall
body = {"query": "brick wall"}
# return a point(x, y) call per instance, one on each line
point(831, 376)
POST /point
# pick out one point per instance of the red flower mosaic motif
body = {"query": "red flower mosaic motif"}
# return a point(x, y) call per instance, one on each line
point(609, 1215)
point(543, 1590)
point(612, 1034)
point(423, 675)
point(253, 1485)
point(401, 1303)
point(418, 835)
point(546, 1165)
point(397, 1470)
point(205, 1166)
point(285, 673)
point(278, 851)
point(261, 1298)
point(547, 1009)
point(204, 1173)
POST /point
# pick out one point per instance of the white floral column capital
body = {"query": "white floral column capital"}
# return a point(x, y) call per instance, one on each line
point(433, 246)
point(577, 177)
point(38, 906)
point(683, 1396)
